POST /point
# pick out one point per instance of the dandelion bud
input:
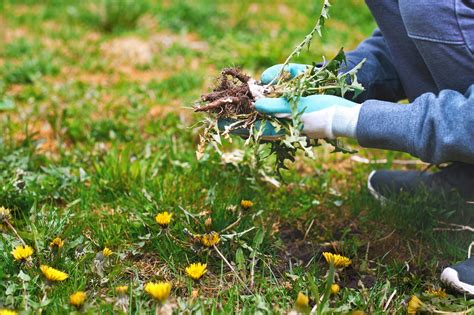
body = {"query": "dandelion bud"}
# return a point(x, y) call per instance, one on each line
point(335, 288)
point(77, 299)
point(208, 224)
point(56, 243)
point(5, 217)
point(246, 204)
point(302, 302)
point(122, 301)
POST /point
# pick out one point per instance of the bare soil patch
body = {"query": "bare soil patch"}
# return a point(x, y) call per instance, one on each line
point(128, 50)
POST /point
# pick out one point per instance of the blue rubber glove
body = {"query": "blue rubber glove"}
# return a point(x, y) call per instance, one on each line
point(293, 68)
point(323, 116)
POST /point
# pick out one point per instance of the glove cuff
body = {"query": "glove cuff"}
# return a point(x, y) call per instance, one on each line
point(344, 121)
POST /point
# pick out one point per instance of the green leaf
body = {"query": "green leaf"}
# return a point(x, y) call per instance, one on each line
point(23, 276)
point(258, 239)
point(335, 64)
point(240, 259)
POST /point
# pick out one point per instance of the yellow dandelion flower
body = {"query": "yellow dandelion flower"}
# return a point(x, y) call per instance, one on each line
point(246, 204)
point(196, 271)
point(358, 312)
point(107, 252)
point(210, 239)
point(158, 290)
point(338, 260)
point(302, 301)
point(121, 289)
point(441, 293)
point(53, 274)
point(56, 243)
point(335, 288)
point(22, 252)
point(163, 219)
point(78, 298)
point(4, 311)
point(414, 304)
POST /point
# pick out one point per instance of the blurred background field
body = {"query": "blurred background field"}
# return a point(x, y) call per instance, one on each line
point(96, 139)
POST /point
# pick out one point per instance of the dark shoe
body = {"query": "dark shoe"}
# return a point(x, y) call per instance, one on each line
point(460, 277)
point(454, 180)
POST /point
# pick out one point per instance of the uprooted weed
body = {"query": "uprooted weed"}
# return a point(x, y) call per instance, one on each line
point(231, 96)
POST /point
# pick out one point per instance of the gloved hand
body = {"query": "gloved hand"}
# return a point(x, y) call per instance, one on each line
point(324, 116)
point(292, 68)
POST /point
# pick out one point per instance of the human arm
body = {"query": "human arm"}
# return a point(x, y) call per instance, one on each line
point(435, 128)
point(378, 75)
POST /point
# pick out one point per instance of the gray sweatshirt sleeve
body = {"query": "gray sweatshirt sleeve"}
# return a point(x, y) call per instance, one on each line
point(434, 128)
point(378, 75)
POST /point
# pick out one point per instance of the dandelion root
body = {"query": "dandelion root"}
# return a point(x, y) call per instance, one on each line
point(231, 96)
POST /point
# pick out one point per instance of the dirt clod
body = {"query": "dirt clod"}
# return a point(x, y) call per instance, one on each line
point(231, 96)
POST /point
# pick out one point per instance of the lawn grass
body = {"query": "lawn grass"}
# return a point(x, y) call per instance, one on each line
point(97, 139)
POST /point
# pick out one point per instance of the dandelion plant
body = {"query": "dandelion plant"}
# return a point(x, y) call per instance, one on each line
point(230, 106)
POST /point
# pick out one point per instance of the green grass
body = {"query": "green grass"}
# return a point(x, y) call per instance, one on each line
point(29, 70)
point(93, 147)
point(114, 16)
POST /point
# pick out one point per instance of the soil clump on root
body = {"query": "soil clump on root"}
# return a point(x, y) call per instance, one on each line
point(232, 95)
